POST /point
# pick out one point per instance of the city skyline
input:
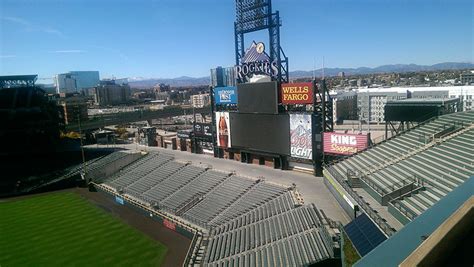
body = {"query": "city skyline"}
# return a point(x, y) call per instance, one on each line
point(166, 39)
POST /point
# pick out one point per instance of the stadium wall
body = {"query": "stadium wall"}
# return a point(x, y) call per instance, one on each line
point(165, 220)
point(344, 199)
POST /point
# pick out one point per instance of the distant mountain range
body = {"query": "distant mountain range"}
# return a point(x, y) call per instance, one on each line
point(397, 68)
point(139, 82)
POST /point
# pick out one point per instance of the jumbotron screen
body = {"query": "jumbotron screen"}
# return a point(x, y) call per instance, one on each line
point(258, 97)
point(261, 132)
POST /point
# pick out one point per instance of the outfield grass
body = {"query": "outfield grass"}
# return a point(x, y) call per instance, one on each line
point(64, 229)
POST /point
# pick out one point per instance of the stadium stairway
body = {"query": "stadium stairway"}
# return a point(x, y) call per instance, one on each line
point(438, 159)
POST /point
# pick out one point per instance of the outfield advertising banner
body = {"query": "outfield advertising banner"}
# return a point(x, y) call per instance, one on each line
point(225, 95)
point(119, 200)
point(344, 144)
point(202, 129)
point(223, 129)
point(300, 136)
point(170, 225)
point(296, 93)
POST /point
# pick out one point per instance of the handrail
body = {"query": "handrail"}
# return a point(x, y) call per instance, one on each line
point(383, 225)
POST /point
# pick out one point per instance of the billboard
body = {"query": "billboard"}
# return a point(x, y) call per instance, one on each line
point(300, 136)
point(344, 144)
point(258, 97)
point(223, 129)
point(261, 132)
point(202, 129)
point(225, 95)
point(296, 93)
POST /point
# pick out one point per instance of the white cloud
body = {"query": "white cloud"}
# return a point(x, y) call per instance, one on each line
point(29, 26)
point(68, 51)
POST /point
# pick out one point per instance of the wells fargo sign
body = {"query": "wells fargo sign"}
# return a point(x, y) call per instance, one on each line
point(297, 93)
point(344, 144)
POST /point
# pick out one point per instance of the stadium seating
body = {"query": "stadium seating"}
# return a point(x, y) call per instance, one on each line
point(295, 237)
point(197, 187)
point(257, 195)
point(413, 170)
point(172, 183)
point(218, 199)
point(247, 221)
point(137, 169)
point(150, 180)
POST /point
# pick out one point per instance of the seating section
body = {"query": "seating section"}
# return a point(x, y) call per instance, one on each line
point(138, 169)
point(218, 199)
point(295, 237)
point(248, 222)
point(435, 165)
point(172, 183)
point(153, 178)
point(256, 196)
point(197, 187)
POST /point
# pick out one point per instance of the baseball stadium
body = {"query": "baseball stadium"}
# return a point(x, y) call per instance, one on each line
point(278, 186)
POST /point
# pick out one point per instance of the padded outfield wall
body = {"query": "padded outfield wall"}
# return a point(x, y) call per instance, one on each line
point(165, 220)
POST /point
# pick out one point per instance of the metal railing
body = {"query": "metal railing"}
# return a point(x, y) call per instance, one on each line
point(373, 215)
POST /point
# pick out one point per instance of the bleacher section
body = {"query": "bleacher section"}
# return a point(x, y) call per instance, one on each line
point(413, 170)
point(241, 220)
point(218, 199)
point(256, 196)
point(198, 187)
point(294, 237)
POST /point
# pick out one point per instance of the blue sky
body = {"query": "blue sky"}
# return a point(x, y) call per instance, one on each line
point(171, 38)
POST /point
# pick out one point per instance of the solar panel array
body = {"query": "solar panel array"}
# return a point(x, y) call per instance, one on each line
point(364, 234)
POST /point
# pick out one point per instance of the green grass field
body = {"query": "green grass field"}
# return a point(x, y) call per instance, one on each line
point(63, 229)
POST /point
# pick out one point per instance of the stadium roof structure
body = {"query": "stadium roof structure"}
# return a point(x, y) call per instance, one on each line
point(441, 233)
point(17, 81)
point(424, 101)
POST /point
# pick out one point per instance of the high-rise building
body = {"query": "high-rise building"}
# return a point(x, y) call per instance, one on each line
point(109, 93)
point(223, 77)
point(76, 81)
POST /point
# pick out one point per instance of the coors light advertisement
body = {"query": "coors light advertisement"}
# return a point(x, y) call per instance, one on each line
point(300, 136)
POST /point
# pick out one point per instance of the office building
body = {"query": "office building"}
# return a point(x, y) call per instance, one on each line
point(108, 93)
point(75, 81)
point(344, 106)
point(75, 109)
point(201, 100)
point(223, 77)
point(467, 78)
point(371, 102)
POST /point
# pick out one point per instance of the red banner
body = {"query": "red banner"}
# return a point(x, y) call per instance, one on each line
point(296, 93)
point(344, 144)
point(169, 225)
